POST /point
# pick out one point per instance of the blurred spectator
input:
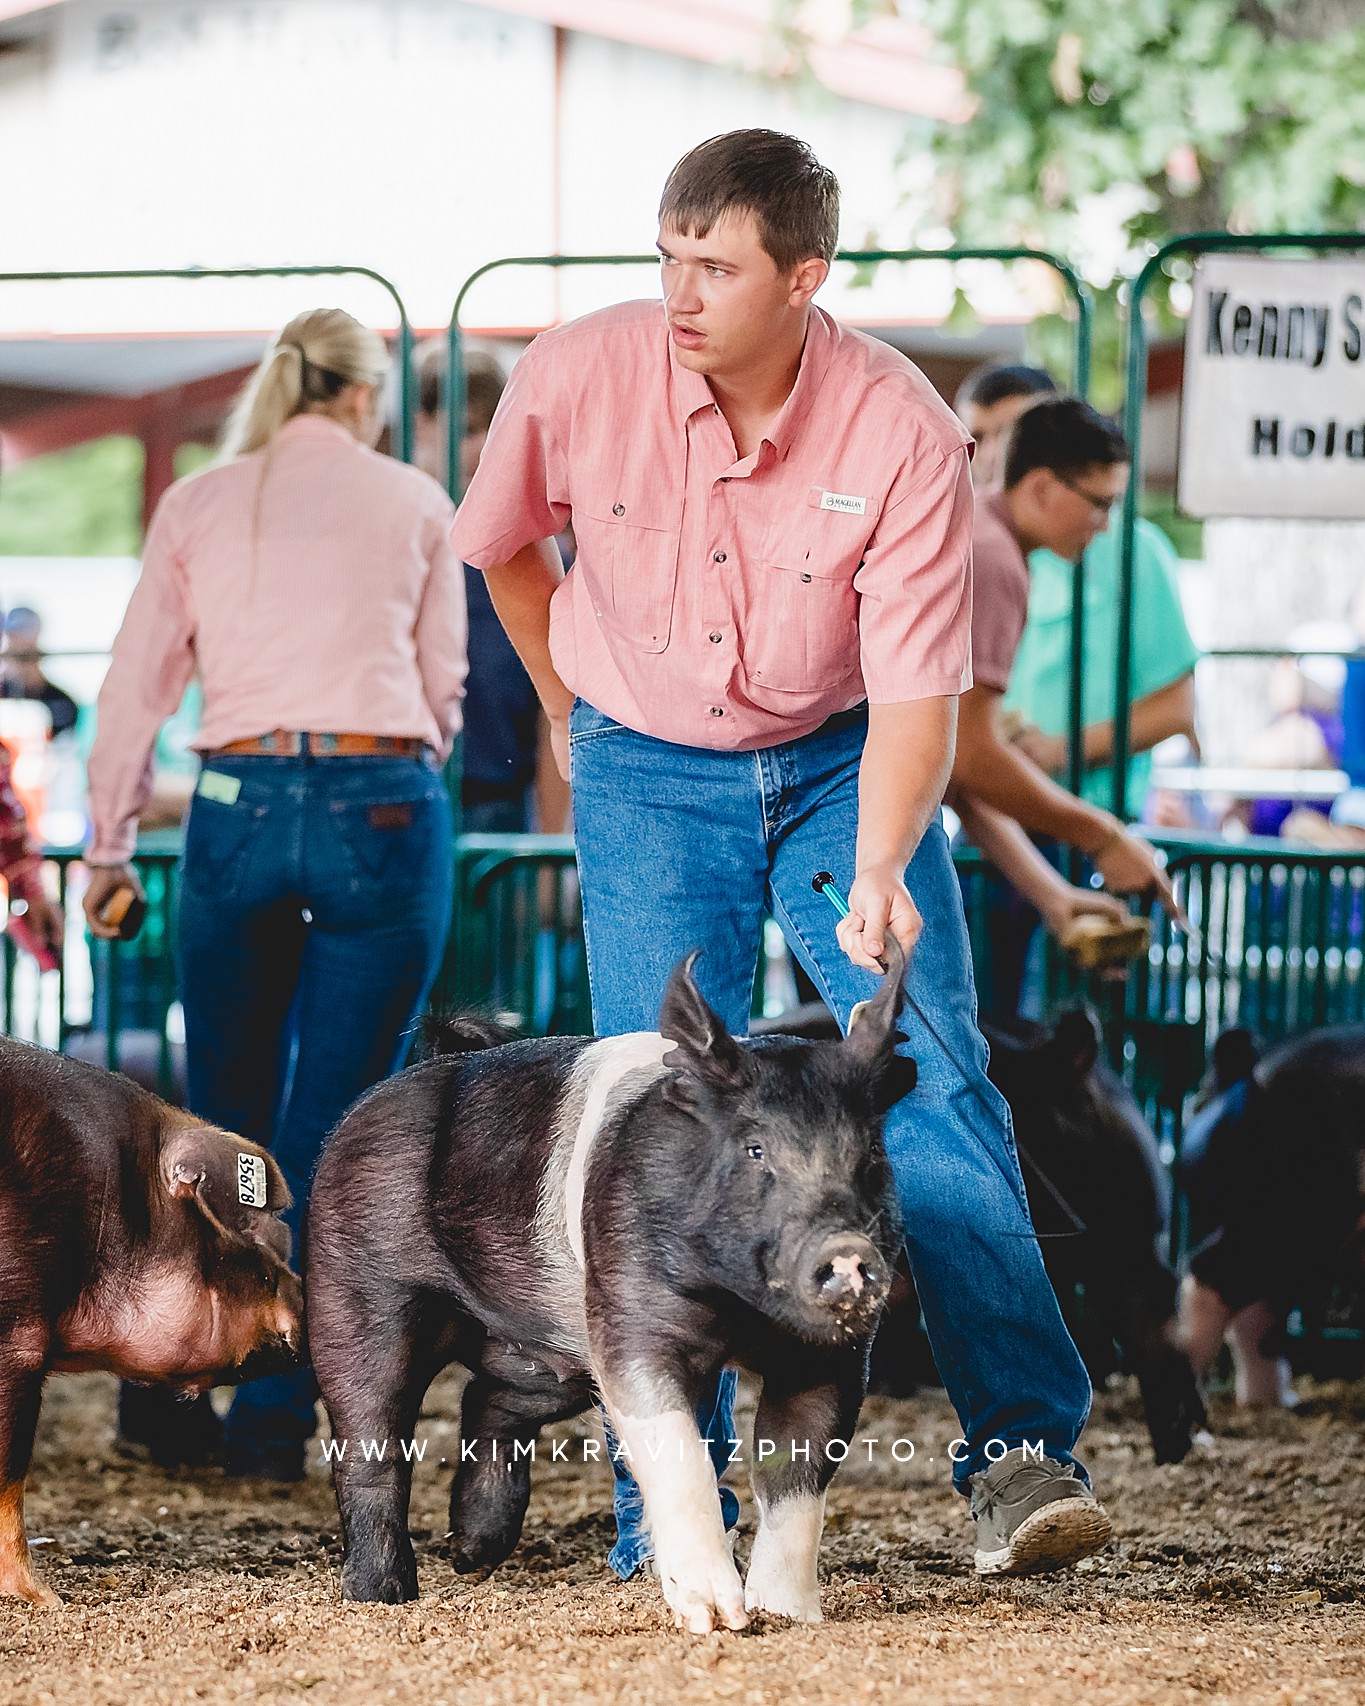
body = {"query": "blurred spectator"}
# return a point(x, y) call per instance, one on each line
point(1163, 655)
point(988, 402)
point(21, 674)
point(1305, 732)
point(37, 922)
point(505, 756)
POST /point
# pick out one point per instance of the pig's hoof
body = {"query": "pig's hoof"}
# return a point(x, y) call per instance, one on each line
point(706, 1597)
point(783, 1599)
point(366, 1583)
point(475, 1557)
point(31, 1588)
point(474, 1551)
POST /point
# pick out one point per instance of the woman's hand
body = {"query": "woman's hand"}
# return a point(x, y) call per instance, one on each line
point(105, 882)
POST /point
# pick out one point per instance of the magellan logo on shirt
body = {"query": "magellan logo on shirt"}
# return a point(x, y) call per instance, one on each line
point(843, 501)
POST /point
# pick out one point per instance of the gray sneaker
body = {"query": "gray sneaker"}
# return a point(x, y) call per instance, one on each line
point(1033, 1514)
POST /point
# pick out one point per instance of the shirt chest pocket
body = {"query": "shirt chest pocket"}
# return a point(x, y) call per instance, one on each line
point(801, 633)
point(628, 555)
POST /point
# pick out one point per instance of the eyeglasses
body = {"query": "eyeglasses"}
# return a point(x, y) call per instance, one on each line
point(1100, 505)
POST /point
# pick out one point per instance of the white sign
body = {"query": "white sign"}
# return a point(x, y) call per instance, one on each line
point(1272, 414)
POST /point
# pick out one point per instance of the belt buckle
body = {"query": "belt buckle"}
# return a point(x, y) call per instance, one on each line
point(325, 746)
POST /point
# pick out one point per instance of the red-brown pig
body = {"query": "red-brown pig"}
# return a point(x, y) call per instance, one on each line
point(133, 1237)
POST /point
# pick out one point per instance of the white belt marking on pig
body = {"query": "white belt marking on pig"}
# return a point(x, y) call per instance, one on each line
point(691, 1554)
point(604, 1065)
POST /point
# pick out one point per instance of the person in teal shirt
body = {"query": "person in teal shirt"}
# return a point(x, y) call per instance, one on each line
point(1163, 655)
point(1161, 671)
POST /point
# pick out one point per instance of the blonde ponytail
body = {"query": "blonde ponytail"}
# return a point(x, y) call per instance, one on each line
point(314, 358)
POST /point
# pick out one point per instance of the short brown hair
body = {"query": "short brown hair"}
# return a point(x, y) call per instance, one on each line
point(484, 380)
point(775, 177)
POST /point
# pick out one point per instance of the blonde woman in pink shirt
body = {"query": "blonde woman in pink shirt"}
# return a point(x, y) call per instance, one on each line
point(310, 583)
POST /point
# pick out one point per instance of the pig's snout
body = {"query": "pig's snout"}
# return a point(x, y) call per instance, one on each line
point(849, 1278)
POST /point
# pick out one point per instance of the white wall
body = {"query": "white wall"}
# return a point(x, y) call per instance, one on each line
point(415, 136)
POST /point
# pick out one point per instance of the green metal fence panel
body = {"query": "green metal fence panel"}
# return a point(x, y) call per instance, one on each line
point(406, 388)
point(1074, 284)
point(1204, 242)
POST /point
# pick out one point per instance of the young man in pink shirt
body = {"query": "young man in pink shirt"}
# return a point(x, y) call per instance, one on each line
point(1064, 469)
point(752, 674)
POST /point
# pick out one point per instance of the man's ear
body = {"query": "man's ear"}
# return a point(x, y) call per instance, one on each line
point(236, 1187)
point(706, 1050)
point(807, 277)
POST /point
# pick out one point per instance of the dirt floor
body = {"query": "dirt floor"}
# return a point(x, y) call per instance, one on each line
point(1239, 1576)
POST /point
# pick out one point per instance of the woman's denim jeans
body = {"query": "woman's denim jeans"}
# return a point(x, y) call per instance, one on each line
point(685, 847)
point(313, 914)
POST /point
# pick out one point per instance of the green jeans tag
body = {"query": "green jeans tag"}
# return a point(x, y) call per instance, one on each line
point(213, 785)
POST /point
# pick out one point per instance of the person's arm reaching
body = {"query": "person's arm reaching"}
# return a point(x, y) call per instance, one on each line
point(151, 664)
point(521, 590)
point(1007, 846)
point(989, 769)
point(1155, 717)
point(904, 770)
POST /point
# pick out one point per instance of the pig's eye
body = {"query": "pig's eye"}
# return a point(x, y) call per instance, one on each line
point(754, 1151)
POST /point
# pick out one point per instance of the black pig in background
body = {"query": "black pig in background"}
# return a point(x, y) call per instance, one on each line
point(1274, 1169)
point(1100, 1200)
point(624, 1217)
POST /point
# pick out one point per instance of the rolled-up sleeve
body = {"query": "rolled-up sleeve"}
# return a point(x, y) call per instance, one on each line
point(442, 634)
point(149, 669)
point(520, 490)
point(915, 587)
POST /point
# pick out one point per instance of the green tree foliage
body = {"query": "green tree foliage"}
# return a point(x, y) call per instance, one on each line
point(1216, 113)
point(82, 502)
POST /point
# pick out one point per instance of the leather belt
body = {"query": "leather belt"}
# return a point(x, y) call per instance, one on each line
point(288, 743)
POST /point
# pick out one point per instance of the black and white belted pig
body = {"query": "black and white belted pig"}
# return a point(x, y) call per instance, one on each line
point(623, 1217)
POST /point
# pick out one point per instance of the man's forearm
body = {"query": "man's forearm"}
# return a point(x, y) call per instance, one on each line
point(904, 771)
point(521, 590)
point(997, 774)
point(1154, 717)
point(1007, 846)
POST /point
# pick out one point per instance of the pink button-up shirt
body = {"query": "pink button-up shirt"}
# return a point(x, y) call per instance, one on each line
point(1000, 610)
point(313, 586)
point(722, 601)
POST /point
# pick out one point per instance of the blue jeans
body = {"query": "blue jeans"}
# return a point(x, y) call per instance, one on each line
point(684, 847)
point(314, 910)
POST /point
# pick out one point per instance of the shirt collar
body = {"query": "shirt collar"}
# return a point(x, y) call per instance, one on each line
point(692, 394)
point(816, 354)
point(316, 426)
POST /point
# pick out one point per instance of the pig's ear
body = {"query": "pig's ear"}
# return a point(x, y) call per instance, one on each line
point(872, 1027)
point(1076, 1039)
point(705, 1048)
point(236, 1187)
point(872, 1036)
